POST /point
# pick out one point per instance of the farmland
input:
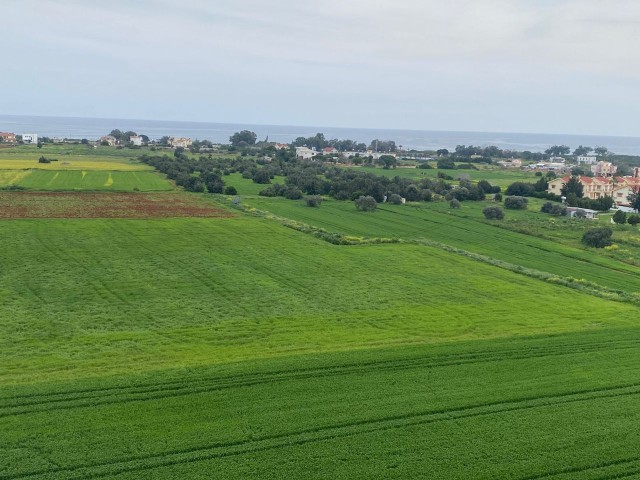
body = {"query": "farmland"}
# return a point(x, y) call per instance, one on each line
point(85, 180)
point(178, 335)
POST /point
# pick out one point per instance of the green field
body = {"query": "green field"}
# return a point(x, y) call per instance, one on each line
point(85, 180)
point(235, 347)
point(496, 176)
point(439, 223)
point(250, 349)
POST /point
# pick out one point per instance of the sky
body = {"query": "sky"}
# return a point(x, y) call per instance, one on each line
point(548, 66)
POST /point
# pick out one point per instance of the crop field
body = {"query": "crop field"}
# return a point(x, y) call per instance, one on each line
point(174, 348)
point(163, 335)
point(85, 180)
point(20, 205)
point(433, 222)
point(71, 163)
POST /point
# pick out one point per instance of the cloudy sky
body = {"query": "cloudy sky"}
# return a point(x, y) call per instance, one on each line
point(556, 66)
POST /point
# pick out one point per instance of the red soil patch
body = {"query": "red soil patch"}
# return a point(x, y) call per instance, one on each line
point(15, 205)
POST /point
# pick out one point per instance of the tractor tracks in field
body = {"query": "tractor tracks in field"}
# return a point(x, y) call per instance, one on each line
point(322, 433)
point(92, 397)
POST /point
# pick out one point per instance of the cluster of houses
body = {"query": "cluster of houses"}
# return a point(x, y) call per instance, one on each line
point(618, 188)
point(306, 153)
point(12, 138)
point(559, 164)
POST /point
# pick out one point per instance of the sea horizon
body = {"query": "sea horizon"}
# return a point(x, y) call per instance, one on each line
point(94, 127)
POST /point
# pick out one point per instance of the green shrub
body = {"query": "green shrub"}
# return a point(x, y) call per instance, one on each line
point(454, 203)
point(366, 203)
point(493, 213)
point(516, 203)
point(597, 237)
point(395, 199)
point(313, 200)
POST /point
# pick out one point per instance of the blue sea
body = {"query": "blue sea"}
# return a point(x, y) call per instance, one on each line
point(93, 128)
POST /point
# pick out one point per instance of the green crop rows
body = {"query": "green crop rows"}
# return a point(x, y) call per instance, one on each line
point(239, 348)
point(85, 180)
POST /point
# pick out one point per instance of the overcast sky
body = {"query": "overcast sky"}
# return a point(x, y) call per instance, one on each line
point(556, 66)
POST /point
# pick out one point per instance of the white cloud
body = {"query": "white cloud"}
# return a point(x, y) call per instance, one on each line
point(234, 56)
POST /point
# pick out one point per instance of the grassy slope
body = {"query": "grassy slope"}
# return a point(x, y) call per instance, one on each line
point(434, 222)
point(85, 180)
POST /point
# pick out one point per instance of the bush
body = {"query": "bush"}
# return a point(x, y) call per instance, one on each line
point(44, 160)
point(597, 237)
point(497, 197)
point(454, 203)
point(313, 200)
point(633, 220)
point(425, 166)
point(520, 189)
point(395, 199)
point(516, 203)
point(620, 217)
point(554, 209)
point(293, 193)
point(230, 190)
point(493, 213)
point(366, 203)
point(262, 176)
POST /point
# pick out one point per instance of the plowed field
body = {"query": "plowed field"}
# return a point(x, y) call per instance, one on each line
point(16, 205)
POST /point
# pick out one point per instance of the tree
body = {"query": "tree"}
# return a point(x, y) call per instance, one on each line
point(454, 203)
point(557, 150)
point(620, 217)
point(634, 199)
point(395, 199)
point(117, 134)
point(230, 190)
point(493, 213)
point(580, 151)
point(262, 176)
point(601, 151)
point(387, 161)
point(597, 237)
point(313, 200)
point(556, 209)
point(366, 203)
point(633, 219)
point(573, 186)
point(446, 164)
point(443, 152)
point(516, 203)
point(243, 138)
point(521, 189)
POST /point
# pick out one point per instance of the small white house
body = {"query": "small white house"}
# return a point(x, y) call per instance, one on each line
point(136, 140)
point(305, 153)
point(30, 138)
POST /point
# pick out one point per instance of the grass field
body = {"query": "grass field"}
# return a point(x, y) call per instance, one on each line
point(252, 350)
point(229, 346)
point(496, 176)
point(72, 163)
point(85, 180)
point(437, 222)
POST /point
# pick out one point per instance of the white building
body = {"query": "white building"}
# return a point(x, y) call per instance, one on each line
point(588, 159)
point(136, 140)
point(30, 138)
point(305, 153)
